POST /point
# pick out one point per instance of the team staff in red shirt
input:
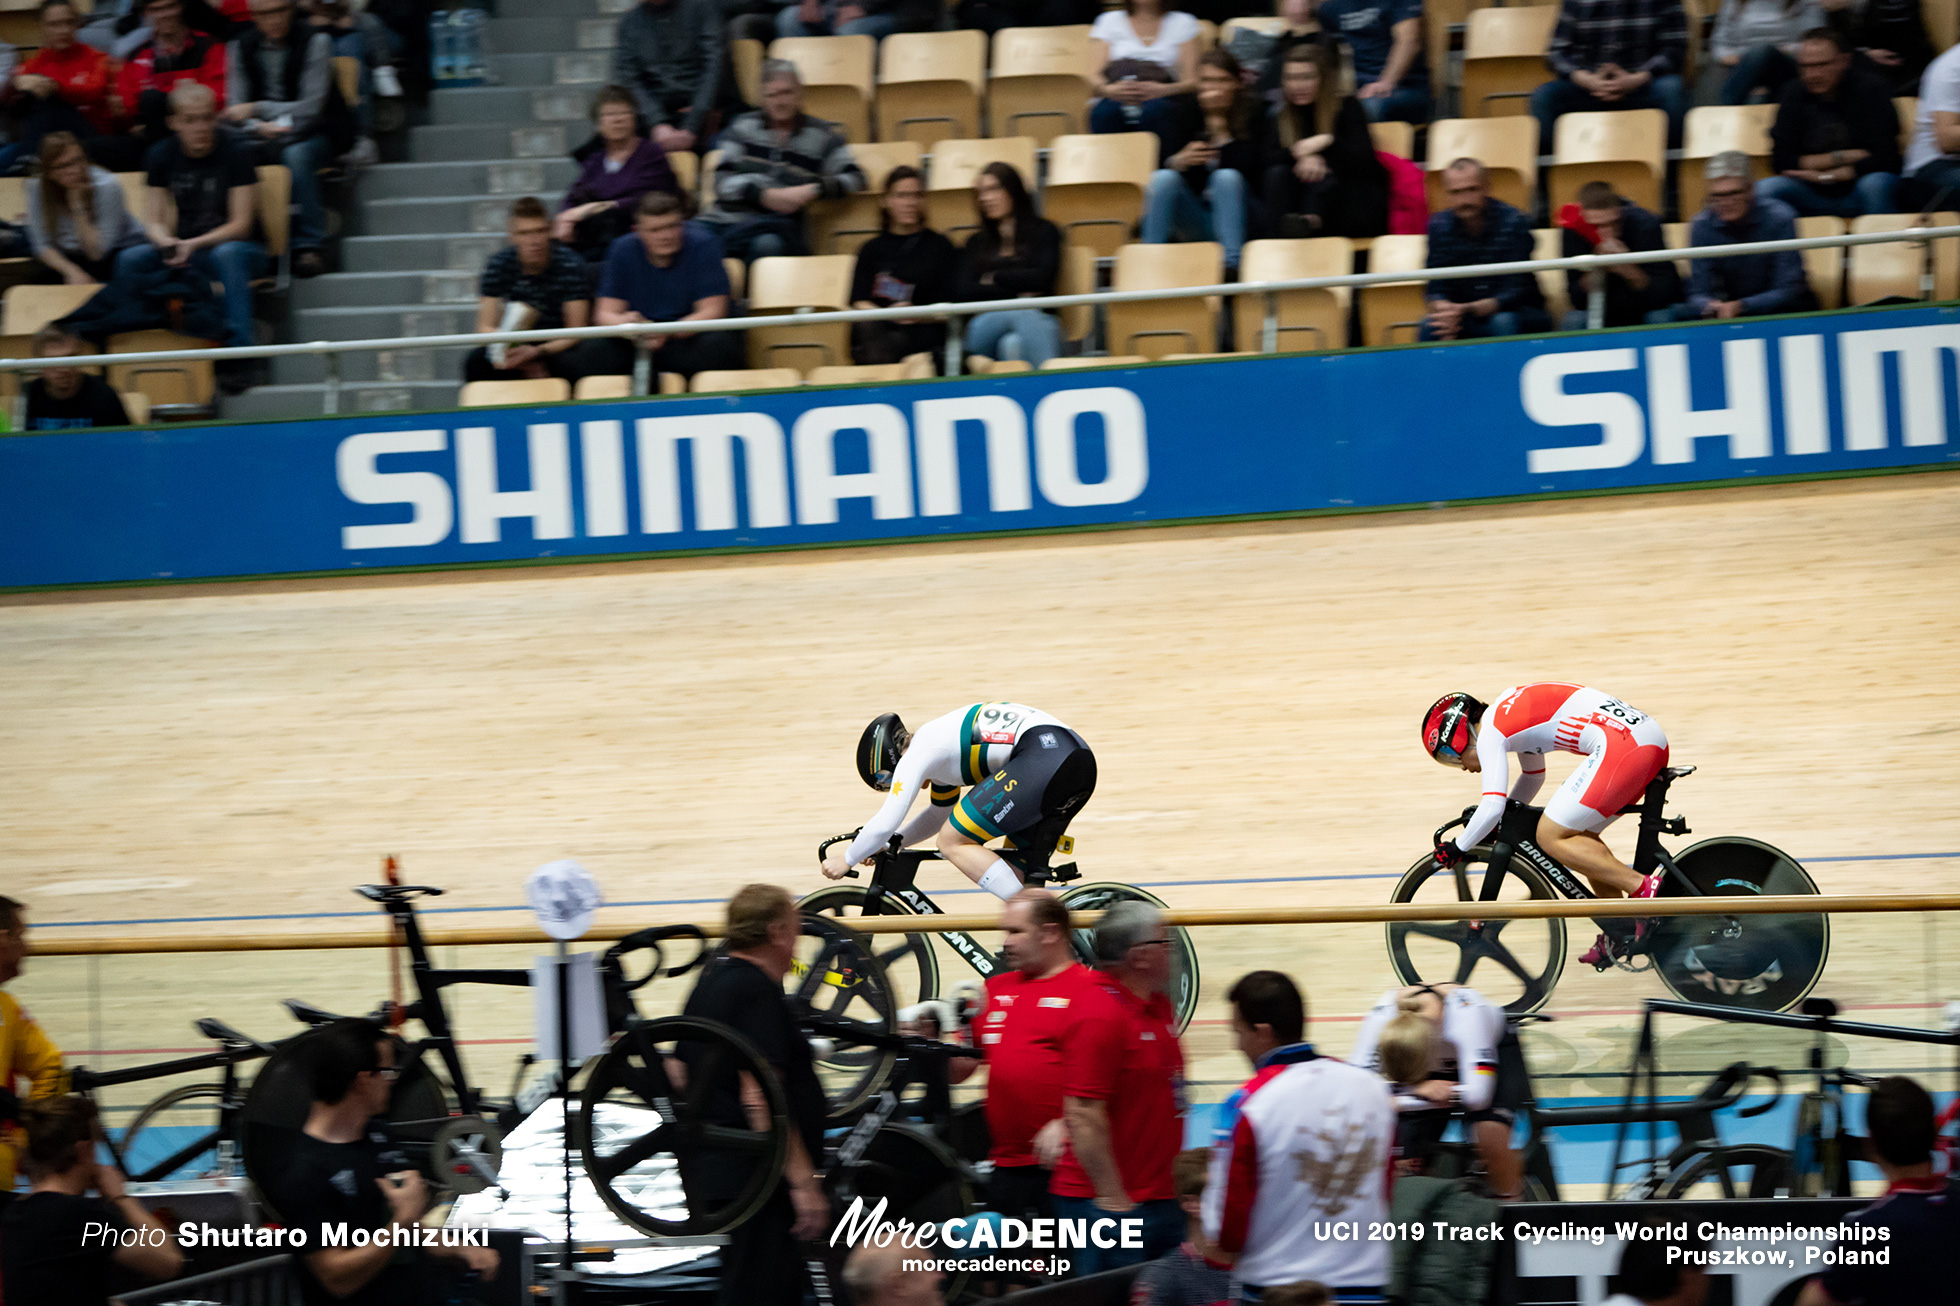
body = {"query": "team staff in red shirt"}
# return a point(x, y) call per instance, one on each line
point(1033, 1012)
point(1124, 1095)
point(173, 54)
point(63, 86)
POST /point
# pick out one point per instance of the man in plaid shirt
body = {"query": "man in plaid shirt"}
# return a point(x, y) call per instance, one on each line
point(1615, 54)
point(1475, 229)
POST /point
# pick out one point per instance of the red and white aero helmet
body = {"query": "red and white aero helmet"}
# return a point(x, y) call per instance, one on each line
point(1449, 727)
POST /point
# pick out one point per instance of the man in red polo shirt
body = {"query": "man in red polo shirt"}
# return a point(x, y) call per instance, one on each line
point(1034, 1012)
point(1123, 1097)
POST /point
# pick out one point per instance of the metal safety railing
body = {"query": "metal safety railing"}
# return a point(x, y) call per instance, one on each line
point(953, 314)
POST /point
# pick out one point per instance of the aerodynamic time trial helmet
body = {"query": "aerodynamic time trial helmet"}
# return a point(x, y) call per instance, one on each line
point(1449, 727)
point(879, 749)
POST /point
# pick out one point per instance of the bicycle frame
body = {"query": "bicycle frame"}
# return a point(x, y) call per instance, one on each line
point(1517, 836)
point(85, 1081)
point(893, 876)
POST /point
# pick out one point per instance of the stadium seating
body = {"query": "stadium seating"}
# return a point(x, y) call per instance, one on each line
point(489, 394)
point(1504, 58)
point(836, 73)
point(1095, 187)
point(1101, 360)
point(949, 181)
point(26, 309)
point(185, 387)
point(1627, 149)
point(687, 170)
point(1157, 327)
point(746, 58)
point(930, 84)
point(1824, 268)
point(755, 378)
point(839, 226)
point(1308, 319)
point(1908, 107)
point(916, 369)
point(1549, 242)
point(1899, 268)
point(1041, 82)
point(603, 387)
point(1392, 314)
point(783, 285)
point(1710, 130)
point(1397, 138)
point(1077, 277)
point(1507, 147)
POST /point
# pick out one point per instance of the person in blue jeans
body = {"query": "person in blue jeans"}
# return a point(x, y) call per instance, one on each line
point(1201, 191)
point(870, 18)
point(1391, 71)
point(1835, 147)
point(213, 184)
point(1016, 254)
point(1148, 54)
point(284, 98)
point(1611, 55)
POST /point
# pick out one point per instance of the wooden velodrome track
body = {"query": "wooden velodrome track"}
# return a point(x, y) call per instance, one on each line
point(235, 758)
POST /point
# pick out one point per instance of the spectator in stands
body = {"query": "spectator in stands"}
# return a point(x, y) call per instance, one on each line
point(1835, 145)
point(537, 274)
point(1297, 25)
point(616, 167)
point(876, 1276)
point(45, 1259)
point(359, 34)
point(210, 180)
point(1479, 228)
point(1391, 69)
point(743, 989)
point(63, 86)
point(1614, 54)
point(1889, 36)
point(1933, 158)
point(1919, 1213)
point(873, 18)
point(1191, 1274)
point(77, 220)
point(27, 1054)
point(1755, 45)
point(667, 269)
point(906, 263)
point(1745, 285)
point(669, 54)
point(286, 101)
point(174, 54)
point(1201, 191)
point(1122, 1078)
point(1264, 1196)
point(342, 1168)
point(1148, 54)
point(1321, 174)
point(1605, 222)
point(775, 162)
point(1016, 254)
point(1654, 1272)
point(62, 398)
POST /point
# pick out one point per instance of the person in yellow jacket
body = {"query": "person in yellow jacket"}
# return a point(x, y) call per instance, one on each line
point(26, 1052)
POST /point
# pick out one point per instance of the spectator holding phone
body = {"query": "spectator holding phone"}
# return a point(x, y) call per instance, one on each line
point(1148, 53)
point(906, 263)
point(1202, 191)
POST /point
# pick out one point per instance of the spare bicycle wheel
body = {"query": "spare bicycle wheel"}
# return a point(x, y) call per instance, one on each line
point(176, 1132)
point(1184, 954)
point(1761, 963)
point(1514, 963)
point(654, 1134)
point(836, 974)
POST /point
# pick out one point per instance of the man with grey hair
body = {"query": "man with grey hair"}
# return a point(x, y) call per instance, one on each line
point(1123, 1094)
point(1744, 285)
point(774, 163)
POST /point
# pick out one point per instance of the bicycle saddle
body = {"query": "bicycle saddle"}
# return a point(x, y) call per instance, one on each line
point(308, 1014)
point(218, 1032)
point(386, 893)
point(1678, 772)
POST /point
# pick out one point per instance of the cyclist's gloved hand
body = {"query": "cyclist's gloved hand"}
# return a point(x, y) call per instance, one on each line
point(1448, 855)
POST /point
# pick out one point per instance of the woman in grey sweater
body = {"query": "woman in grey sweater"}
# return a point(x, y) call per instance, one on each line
point(77, 220)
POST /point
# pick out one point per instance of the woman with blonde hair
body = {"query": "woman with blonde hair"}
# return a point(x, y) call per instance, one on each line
point(77, 220)
point(1322, 176)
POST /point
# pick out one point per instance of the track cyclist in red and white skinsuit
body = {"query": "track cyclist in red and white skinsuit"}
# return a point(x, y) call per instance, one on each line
point(1624, 750)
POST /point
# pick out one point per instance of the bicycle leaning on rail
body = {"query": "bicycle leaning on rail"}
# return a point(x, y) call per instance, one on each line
point(1759, 962)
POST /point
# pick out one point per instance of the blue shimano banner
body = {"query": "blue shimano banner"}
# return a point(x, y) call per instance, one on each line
point(1050, 449)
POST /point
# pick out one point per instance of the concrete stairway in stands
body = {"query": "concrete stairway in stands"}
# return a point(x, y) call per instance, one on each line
point(418, 232)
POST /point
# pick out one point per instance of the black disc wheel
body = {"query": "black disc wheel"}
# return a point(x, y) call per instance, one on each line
point(1514, 963)
point(175, 1136)
point(916, 1175)
point(281, 1096)
point(908, 959)
point(1744, 1170)
point(1757, 962)
point(657, 1128)
point(835, 974)
point(1184, 954)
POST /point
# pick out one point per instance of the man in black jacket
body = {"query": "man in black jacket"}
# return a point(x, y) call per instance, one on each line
point(1608, 223)
point(1835, 145)
point(280, 83)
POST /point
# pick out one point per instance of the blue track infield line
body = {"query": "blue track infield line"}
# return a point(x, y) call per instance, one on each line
point(704, 902)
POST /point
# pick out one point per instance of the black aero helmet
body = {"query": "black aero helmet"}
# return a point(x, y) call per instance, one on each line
point(879, 749)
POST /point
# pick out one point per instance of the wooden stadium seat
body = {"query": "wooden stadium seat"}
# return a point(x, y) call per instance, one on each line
point(671, 383)
point(687, 169)
point(13, 200)
point(949, 180)
point(870, 373)
point(746, 57)
point(1041, 82)
point(836, 73)
point(603, 387)
point(1908, 107)
point(275, 207)
point(1308, 319)
point(185, 385)
point(1504, 58)
point(1005, 367)
point(1549, 242)
point(1942, 23)
point(839, 226)
point(1675, 236)
point(1397, 138)
point(1442, 22)
point(1824, 268)
point(710, 163)
point(1710, 130)
point(26, 309)
point(137, 405)
point(930, 84)
point(1157, 327)
point(1207, 35)
point(1698, 14)
point(738, 275)
point(347, 72)
point(755, 378)
point(1507, 147)
point(1095, 187)
point(1896, 268)
point(1394, 313)
point(1626, 149)
point(136, 191)
point(1077, 277)
point(1106, 360)
point(489, 394)
point(783, 285)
